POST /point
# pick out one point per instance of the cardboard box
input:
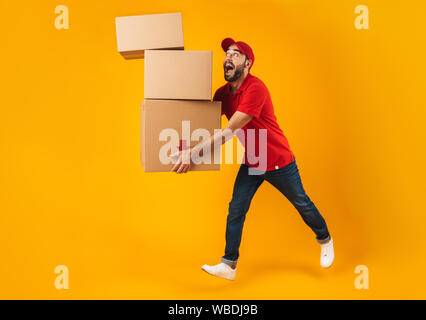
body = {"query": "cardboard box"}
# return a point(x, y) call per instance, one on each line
point(178, 75)
point(135, 34)
point(166, 124)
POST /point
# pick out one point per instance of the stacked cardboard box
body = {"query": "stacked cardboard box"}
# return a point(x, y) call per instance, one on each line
point(177, 88)
point(135, 34)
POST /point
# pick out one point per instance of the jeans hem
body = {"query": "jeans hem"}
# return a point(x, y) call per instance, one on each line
point(324, 241)
point(230, 263)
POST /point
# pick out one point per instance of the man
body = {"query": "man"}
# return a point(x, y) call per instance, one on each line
point(247, 105)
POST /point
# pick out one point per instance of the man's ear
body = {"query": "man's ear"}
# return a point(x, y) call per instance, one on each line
point(248, 63)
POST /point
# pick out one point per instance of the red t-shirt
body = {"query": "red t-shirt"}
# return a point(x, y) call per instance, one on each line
point(254, 99)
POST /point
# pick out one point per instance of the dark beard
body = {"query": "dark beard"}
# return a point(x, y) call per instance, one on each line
point(237, 74)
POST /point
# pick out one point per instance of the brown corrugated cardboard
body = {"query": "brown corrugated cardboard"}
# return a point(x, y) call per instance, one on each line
point(165, 116)
point(178, 74)
point(135, 34)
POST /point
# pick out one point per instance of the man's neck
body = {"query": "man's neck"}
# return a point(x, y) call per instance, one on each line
point(235, 85)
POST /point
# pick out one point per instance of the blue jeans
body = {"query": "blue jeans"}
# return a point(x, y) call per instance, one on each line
point(287, 181)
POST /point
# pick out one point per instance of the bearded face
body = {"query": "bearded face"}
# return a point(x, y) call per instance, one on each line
point(233, 69)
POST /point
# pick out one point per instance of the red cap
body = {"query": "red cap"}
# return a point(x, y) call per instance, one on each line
point(242, 46)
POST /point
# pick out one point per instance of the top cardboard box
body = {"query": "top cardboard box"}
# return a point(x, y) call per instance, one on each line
point(135, 34)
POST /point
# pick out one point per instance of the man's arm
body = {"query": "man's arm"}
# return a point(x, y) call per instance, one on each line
point(237, 121)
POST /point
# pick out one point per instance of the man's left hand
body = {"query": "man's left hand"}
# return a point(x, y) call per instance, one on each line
point(184, 162)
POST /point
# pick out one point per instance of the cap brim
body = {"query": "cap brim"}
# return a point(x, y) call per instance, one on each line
point(226, 43)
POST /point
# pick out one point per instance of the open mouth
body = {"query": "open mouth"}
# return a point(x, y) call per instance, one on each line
point(228, 68)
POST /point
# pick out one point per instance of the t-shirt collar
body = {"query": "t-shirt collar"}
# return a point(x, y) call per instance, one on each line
point(243, 85)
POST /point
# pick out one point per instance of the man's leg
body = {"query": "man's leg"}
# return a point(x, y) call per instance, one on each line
point(287, 180)
point(244, 189)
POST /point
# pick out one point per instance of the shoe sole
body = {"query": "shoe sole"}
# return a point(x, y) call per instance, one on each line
point(216, 275)
point(327, 266)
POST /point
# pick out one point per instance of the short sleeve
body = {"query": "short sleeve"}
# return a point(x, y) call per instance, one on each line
point(252, 100)
point(218, 97)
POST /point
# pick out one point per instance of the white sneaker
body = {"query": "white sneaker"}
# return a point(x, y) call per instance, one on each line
point(220, 270)
point(327, 254)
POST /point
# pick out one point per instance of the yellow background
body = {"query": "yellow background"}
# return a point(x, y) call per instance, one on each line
point(73, 192)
